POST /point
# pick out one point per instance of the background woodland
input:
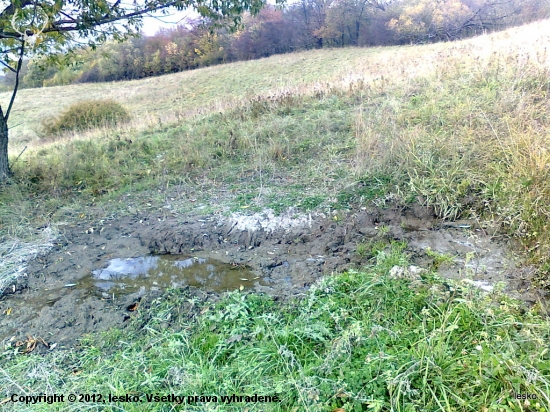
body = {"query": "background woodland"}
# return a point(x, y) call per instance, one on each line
point(303, 25)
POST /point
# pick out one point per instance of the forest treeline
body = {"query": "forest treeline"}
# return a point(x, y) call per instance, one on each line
point(302, 25)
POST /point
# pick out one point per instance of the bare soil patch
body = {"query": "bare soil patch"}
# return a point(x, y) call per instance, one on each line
point(286, 253)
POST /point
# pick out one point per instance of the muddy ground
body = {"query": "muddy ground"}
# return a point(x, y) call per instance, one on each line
point(286, 255)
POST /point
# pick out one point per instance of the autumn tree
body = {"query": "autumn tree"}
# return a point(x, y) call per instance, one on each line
point(300, 25)
point(34, 27)
point(346, 21)
point(434, 20)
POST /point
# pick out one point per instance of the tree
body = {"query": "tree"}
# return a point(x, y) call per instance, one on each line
point(435, 20)
point(44, 27)
point(345, 20)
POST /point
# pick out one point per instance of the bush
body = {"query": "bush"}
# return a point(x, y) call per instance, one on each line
point(86, 115)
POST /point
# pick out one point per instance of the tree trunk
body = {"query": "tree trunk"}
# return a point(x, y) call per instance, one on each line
point(5, 171)
point(4, 165)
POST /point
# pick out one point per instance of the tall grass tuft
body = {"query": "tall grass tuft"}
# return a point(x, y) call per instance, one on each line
point(85, 115)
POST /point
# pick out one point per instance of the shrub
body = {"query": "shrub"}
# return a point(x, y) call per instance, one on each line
point(86, 115)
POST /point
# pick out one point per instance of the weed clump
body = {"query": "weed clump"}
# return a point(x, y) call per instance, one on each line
point(85, 115)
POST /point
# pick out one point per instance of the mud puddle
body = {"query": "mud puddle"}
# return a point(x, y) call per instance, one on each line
point(156, 273)
point(279, 256)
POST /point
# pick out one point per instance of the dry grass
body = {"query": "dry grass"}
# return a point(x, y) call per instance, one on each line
point(177, 96)
point(14, 255)
point(462, 126)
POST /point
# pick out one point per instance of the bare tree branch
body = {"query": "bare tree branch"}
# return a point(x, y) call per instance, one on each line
point(7, 66)
point(18, 71)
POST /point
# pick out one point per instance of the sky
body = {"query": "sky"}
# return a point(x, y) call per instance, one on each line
point(152, 24)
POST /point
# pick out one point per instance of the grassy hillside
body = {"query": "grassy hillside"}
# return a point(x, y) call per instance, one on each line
point(462, 127)
point(221, 87)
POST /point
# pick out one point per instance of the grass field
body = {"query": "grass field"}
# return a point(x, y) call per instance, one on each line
point(462, 127)
point(459, 126)
point(217, 88)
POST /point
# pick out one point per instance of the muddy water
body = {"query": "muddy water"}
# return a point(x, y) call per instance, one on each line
point(153, 273)
point(124, 281)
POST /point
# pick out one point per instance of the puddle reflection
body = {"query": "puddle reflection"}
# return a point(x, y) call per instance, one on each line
point(124, 276)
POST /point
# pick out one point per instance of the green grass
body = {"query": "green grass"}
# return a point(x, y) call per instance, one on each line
point(183, 95)
point(359, 341)
point(84, 115)
point(439, 259)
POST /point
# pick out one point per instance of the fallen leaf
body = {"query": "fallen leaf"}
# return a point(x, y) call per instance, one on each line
point(241, 287)
point(30, 343)
point(8, 312)
point(339, 410)
point(133, 307)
